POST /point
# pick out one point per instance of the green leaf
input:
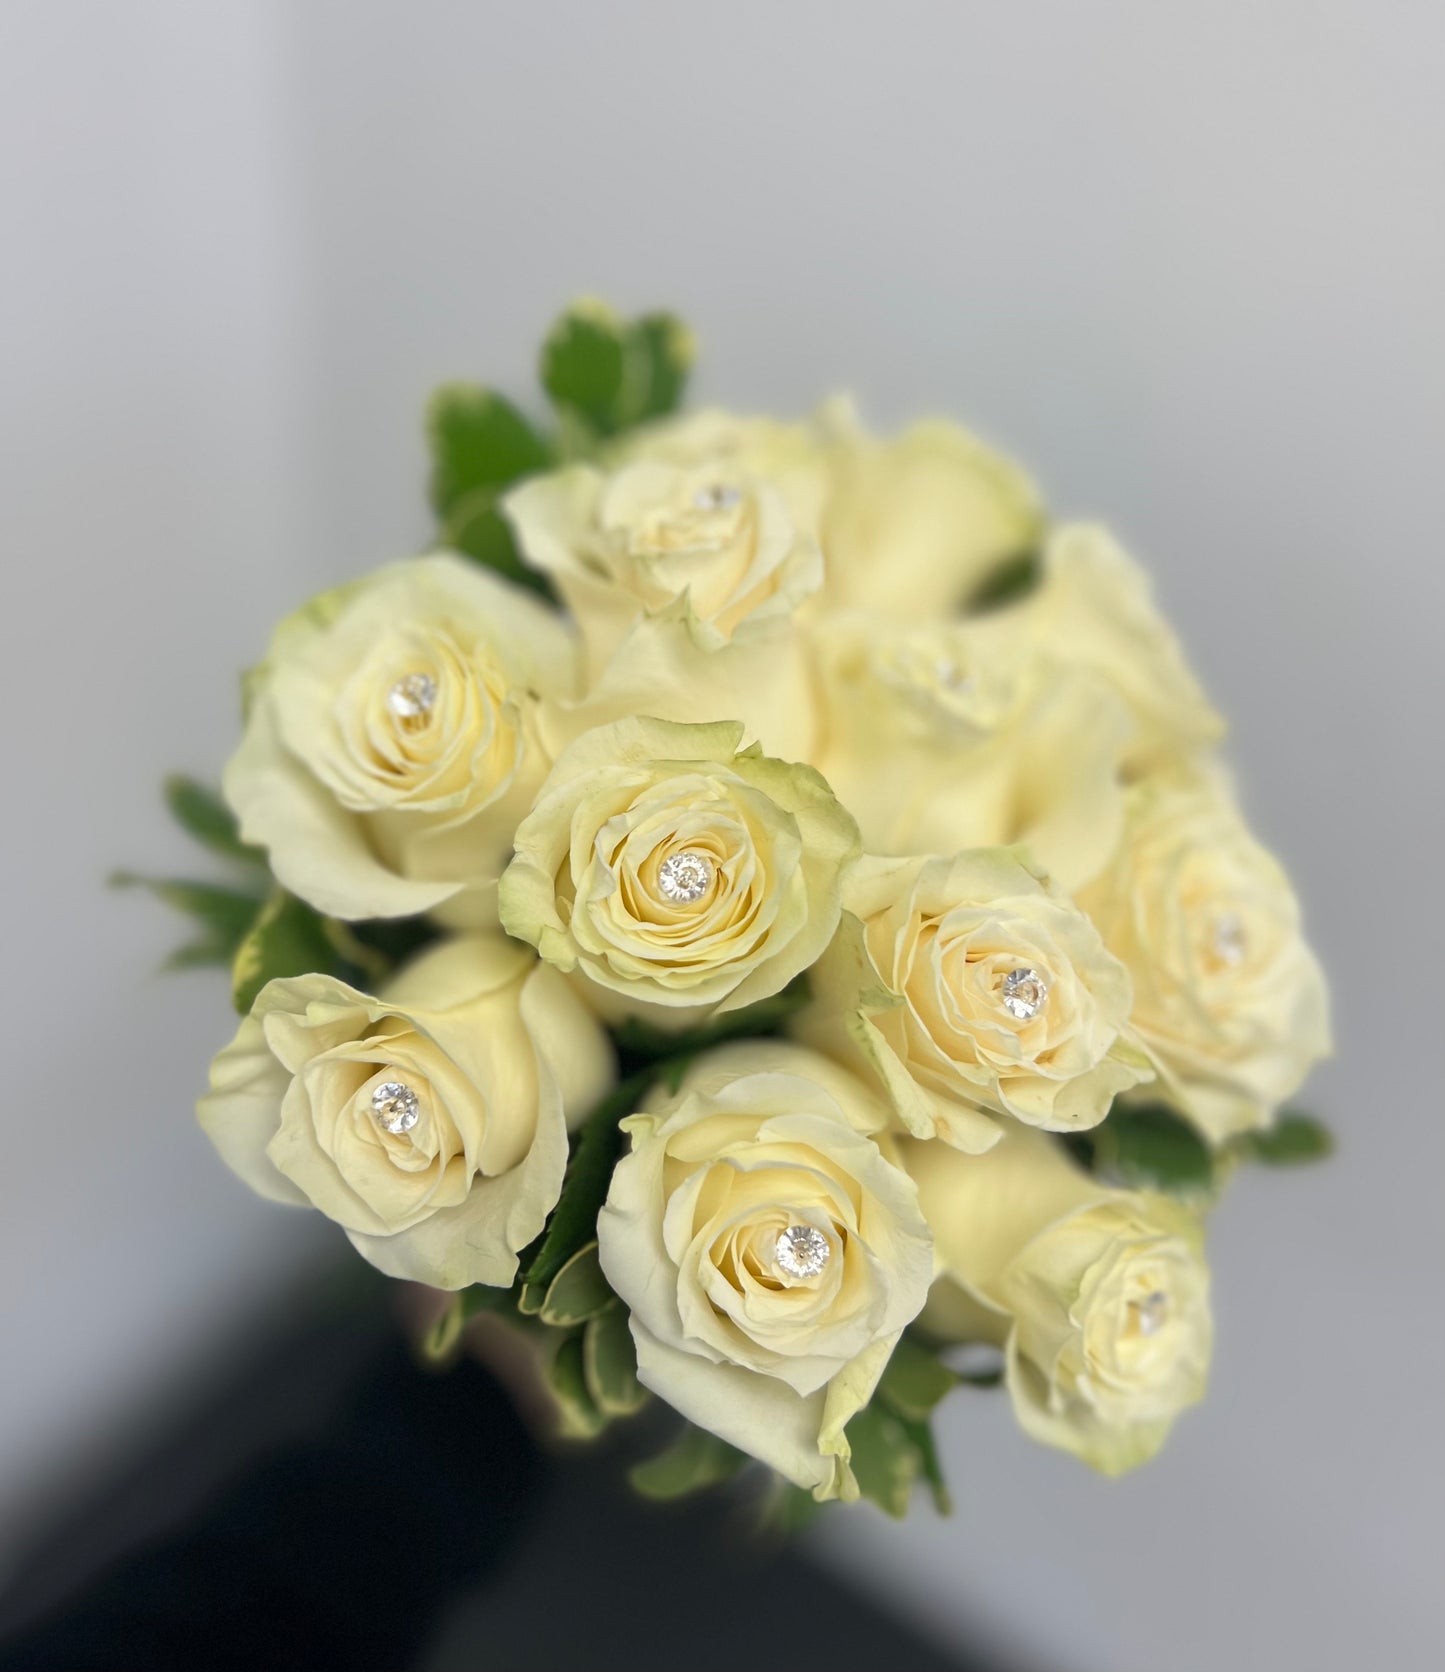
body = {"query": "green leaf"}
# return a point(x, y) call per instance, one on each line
point(1150, 1147)
point(660, 352)
point(442, 1340)
point(566, 1380)
point(287, 938)
point(1294, 1139)
point(609, 1363)
point(584, 1189)
point(583, 360)
point(886, 1460)
point(201, 813)
point(611, 374)
point(477, 439)
point(477, 529)
point(224, 915)
point(914, 1381)
point(759, 1020)
point(1014, 578)
point(578, 1292)
point(921, 1434)
point(694, 1460)
point(789, 1508)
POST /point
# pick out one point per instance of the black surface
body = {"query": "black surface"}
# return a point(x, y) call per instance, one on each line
point(328, 1505)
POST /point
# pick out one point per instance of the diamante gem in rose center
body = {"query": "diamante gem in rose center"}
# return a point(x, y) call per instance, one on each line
point(395, 1106)
point(802, 1251)
point(413, 697)
point(685, 877)
point(718, 496)
point(1024, 993)
point(1152, 1313)
point(1230, 941)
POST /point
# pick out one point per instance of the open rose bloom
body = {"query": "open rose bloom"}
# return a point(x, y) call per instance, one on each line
point(759, 910)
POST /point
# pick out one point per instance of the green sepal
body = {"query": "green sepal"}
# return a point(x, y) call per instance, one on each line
point(1008, 581)
point(578, 1415)
point(584, 1188)
point(203, 815)
point(612, 373)
point(1294, 1139)
point(695, 1459)
point(609, 1363)
point(477, 439)
point(914, 1381)
point(224, 915)
point(578, 1292)
point(1147, 1146)
point(287, 937)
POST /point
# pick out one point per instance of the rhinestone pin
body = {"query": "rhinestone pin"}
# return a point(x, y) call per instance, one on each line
point(1152, 1313)
point(412, 697)
point(1230, 941)
point(395, 1106)
point(802, 1251)
point(685, 877)
point(1024, 993)
point(718, 496)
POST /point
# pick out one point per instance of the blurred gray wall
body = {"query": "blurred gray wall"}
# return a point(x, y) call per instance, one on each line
point(1188, 260)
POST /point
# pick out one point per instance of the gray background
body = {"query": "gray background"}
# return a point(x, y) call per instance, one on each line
point(1188, 260)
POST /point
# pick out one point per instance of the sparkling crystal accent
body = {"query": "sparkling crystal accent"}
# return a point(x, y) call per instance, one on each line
point(1024, 993)
point(952, 676)
point(396, 1106)
point(802, 1251)
point(1230, 941)
point(1152, 1312)
point(718, 496)
point(412, 697)
point(685, 877)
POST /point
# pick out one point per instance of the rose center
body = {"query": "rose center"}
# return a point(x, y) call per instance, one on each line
point(1023, 993)
point(683, 878)
point(396, 1106)
point(412, 698)
point(802, 1251)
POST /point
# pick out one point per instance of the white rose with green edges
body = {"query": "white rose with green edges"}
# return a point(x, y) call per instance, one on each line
point(392, 745)
point(677, 874)
point(768, 1252)
point(1098, 1297)
point(970, 987)
point(430, 1122)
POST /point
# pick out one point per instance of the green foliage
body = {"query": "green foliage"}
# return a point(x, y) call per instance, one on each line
point(609, 1364)
point(584, 1189)
point(886, 1458)
point(440, 1343)
point(914, 1381)
point(1147, 1146)
point(223, 915)
point(695, 1459)
point(478, 439)
point(578, 1292)
point(287, 938)
point(611, 373)
point(202, 814)
point(566, 1378)
point(1014, 578)
point(1295, 1138)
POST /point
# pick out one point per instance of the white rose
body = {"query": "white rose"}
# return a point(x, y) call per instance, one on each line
point(392, 746)
point(768, 1252)
point(1099, 1298)
point(430, 1123)
point(971, 987)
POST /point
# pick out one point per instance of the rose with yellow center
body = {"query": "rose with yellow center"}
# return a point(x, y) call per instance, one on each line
point(1229, 1000)
point(969, 988)
point(392, 744)
point(1099, 1298)
point(430, 1122)
point(677, 874)
point(769, 1254)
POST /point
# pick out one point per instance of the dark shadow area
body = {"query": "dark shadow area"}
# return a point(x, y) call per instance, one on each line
point(326, 1504)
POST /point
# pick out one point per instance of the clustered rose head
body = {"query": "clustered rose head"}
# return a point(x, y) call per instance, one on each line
point(772, 734)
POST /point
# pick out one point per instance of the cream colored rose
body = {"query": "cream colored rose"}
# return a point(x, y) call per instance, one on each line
point(913, 524)
point(970, 987)
point(961, 733)
point(1228, 998)
point(768, 1252)
point(677, 875)
point(1100, 1298)
point(430, 1123)
point(683, 580)
point(392, 746)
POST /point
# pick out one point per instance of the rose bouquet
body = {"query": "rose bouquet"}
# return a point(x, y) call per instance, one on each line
point(757, 911)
